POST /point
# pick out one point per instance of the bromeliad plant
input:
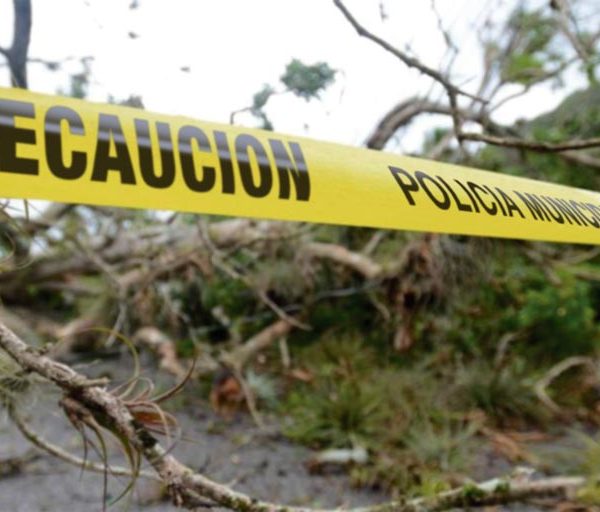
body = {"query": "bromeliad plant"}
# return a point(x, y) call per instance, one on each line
point(136, 395)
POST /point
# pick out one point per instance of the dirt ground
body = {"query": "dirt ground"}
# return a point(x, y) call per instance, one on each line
point(264, 466)
point(236, 453)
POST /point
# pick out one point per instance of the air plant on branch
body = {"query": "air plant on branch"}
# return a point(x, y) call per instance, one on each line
point(136, 396)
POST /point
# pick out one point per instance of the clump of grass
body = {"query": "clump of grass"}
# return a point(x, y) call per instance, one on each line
point(401, 415)
point(336, 414)
point(442, 445)
point(503, 393)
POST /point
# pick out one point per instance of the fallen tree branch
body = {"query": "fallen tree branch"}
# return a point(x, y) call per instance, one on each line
point(338, 253)
point(242, 354)
point(581, 159)
point(164, 348)
point(220, 261)
point(145, 244)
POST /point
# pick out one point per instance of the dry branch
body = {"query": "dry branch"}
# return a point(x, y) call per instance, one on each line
point(405, 111)
point(338, 253)
point(241, 355)
point(130, 247)
point(164, 348)
point(541, 387)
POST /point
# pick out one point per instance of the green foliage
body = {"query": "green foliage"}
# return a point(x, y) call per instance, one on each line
point(307, 81)
point(577, 117)
point(535, 28)
point(560, 320)
point(281, 277)
point(441, 444)
point(531, 34)
point(259, 102)
point(550, 320)
point(303, 80)
point(523, 68)
point(589, 494)
point(230, 294)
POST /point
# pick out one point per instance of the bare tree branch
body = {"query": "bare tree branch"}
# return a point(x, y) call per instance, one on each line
point(541, 146)
point(409, 61)
point(581, 159)
point(16, 55)
point(405, 111)
point(56, 451)
point(563, 21)
point(556, 371)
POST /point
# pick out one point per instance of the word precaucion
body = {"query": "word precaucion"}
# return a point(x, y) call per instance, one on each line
point(203, 157)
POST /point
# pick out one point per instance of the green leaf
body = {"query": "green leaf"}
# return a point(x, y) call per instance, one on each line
point(307, 81)
point(522, 68)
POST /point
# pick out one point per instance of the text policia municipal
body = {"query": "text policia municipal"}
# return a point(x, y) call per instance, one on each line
point(480, 198)
point(112, 154)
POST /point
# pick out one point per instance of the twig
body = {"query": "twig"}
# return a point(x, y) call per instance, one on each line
point(34, 438)
point(120, 290)
point(555, 372)
point(409, 61)
point(547, 147)
point(16, 465)
point(164, 348)
point(240, 355)
point(563, 22)
point(250, 398)
point(581, 159)
point(356, 261)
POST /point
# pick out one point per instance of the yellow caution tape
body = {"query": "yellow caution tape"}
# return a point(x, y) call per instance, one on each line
point(74, 151)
